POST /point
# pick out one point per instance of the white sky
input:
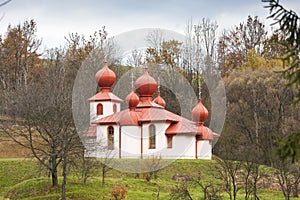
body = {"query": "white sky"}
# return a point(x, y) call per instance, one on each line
point(57, 18)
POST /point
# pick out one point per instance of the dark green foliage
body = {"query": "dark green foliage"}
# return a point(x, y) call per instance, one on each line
point(289, 146)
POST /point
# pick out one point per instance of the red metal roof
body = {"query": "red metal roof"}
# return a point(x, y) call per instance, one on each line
point(105, 96)
point(149, 114)
point(183, 126)
point(124, 117)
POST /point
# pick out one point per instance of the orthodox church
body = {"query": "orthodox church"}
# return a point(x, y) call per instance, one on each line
point(145, 128)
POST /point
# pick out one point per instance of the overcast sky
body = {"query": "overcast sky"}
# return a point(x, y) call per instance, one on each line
point(57, 18)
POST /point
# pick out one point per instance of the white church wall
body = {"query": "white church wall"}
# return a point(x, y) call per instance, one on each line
point(161, 142)
point(102, 140)
point(107, 109)
point(183, 147)
point(204, 149)
point(131, 142)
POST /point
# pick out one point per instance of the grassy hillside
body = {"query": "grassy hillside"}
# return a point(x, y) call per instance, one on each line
point(25, 179)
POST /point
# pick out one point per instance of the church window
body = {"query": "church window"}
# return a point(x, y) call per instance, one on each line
point(115, 108)
point(152, 137)
point(110, 138)
point(170, 141)
point(99, 109)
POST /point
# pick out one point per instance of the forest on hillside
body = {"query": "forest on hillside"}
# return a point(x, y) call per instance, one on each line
point(260, 72)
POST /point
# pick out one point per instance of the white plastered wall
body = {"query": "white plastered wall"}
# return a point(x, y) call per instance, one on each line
point(204, 149)
point(183, 147)
point(107, 109)
point(102, 141)
point(161, 140)
point(131, 142)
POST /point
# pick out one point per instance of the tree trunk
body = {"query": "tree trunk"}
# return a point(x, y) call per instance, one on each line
point(54, 172)
point(64, 182)
point(103, 175)
point(54, 177)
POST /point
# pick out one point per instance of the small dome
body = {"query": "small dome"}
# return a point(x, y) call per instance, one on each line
point(199, 113)
point(105, 77)
point(145, 85)
point(132, 100)
point(159, 100)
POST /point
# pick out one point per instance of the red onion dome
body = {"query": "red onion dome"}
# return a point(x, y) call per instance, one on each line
point(159, 100)
point(105, 77)
point(199, 113)
point(145, 85)
point(132, 100)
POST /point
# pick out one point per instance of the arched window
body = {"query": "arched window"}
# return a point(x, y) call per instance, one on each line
point(152, 139)
point(99, 109)
point(115, 108)
point(170, 141)
point(110, 138)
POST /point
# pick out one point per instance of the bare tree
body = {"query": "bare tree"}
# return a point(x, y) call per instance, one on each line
point(199, 55)
point(211, 189)
point(251, 175)
point(155, 39)
point(135, 59)
point(43, 119)
point(180, 192)
point(228, 171)
point(288, 176)
point(107, 163)
point(151, 166)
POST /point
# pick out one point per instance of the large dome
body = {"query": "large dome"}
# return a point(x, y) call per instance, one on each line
point(105, 77)
point(199, 113)
point(145, 85)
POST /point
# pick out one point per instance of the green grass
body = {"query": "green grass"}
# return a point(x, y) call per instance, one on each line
point(24, 179)
point(14, 171)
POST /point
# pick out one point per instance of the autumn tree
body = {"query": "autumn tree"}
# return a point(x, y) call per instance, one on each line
point(95, 48)
point(288, 22)
point(234, 44)
point(253, 118)
point(255, 60)
point(273, 47)
point(19, 57)
point(164, 63)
